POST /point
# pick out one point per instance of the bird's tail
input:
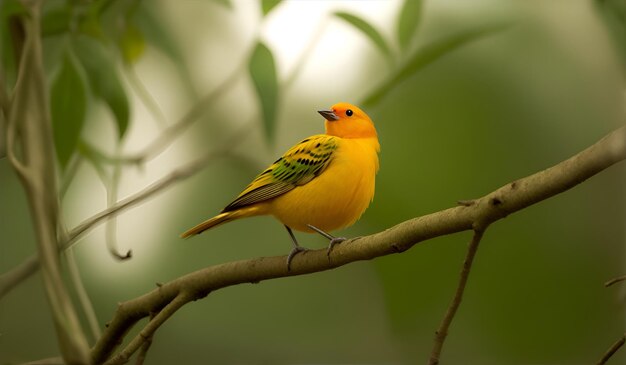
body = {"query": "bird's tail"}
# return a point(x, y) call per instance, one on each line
point(220, 219)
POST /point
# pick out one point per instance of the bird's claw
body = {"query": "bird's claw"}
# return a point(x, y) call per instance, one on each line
point(333, 242)
point(293, 253)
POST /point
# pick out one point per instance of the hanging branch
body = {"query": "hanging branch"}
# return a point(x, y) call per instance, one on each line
point(475, 215)
point(442, 332)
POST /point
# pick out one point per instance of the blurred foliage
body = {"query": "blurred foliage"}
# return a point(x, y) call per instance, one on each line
point(268, 5)
point(67, 107)
point(367, 29)
point(409, 18)
point(263, 72)
point(424, 56)
point(614, 14)
point(104, 80)
point(504, 102)
point(225, 3)
point(104, 33)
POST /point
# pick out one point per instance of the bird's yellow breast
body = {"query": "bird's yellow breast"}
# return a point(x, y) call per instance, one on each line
point(339, 195)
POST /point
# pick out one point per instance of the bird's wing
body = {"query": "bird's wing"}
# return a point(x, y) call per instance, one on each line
point(299, 165)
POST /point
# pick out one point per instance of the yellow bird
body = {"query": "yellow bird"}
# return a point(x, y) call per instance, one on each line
point(321, 184)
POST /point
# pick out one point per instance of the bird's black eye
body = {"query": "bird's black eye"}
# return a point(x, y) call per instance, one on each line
point(349, 112)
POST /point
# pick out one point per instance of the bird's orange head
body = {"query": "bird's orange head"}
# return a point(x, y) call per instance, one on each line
point(348, 121)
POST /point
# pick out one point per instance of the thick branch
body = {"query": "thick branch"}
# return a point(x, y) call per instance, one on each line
point(493, 206)
point(30, 110)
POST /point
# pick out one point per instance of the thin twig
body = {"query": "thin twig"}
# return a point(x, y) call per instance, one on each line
point(12, 134)
point(145, 96)
point(3, 131)
point(496, 205)
point(143, 351)
point(85, 151)
point(110, 232)
point(110, 184)
point(81, 292)
point(169, 134)
point(442, 332)
point(178, 174)
point(5, 103)
point(69, 174)
point(615, 281)
point(10, 279)
point(612, 350)
point(97, 156)
point(149, 330)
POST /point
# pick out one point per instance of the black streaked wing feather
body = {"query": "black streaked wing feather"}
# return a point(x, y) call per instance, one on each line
point(298, 166)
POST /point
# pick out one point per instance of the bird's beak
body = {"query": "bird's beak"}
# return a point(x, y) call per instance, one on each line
point(329, 115)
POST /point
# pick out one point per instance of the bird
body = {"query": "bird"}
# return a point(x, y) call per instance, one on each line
point(323, 183)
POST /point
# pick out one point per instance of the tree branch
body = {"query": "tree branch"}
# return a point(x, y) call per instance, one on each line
point(615, 281)
point(179, 174)
point(11, 279)
point(146, 98)
point(37, 171)
point(81, 293)
point(442, 332)
point(496, 205)
point(5, 102)
point(170, 133)
point(612, 350)
point(148, 331)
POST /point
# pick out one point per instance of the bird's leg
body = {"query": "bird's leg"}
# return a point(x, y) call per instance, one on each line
point(296, 248)
point(333, 240)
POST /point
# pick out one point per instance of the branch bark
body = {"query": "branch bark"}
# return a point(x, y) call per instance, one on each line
point(496, 205)
point(30, 113)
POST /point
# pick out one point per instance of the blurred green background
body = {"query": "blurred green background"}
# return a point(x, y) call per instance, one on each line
point(502, 106)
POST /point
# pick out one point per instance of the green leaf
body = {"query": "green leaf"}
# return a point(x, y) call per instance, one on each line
point(428, 54)
point(68, 102)
point(263, 72)
point(56, 21)
point(103, 78)
point(367, 29)
point(132, 44)
point(408, 21)
point(268, 5)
